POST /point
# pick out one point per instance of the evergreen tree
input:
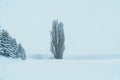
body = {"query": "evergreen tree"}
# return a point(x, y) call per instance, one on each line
point(5, 44)
point(13, 48)
point(21, 52)
point(9, 46)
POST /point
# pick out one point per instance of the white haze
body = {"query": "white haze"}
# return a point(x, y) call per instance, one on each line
point(91, 26)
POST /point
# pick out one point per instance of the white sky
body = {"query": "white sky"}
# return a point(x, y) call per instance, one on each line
point(91, 26)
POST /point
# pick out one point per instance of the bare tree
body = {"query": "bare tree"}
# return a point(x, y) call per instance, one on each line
point(57, 39)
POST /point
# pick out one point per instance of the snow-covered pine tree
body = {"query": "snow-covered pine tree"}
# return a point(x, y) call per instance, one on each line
point(8, 45)
point(13, 48)
point(21, 52)
point(5, 43)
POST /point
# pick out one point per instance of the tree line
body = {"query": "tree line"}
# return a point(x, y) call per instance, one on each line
point(10, 48)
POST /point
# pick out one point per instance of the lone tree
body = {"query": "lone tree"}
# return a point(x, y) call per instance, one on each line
point(57, 39)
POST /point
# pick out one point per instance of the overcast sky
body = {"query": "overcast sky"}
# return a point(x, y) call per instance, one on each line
point(91, 26)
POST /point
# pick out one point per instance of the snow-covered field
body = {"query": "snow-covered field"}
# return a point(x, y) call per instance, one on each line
point(50, 69)
point(92, 31)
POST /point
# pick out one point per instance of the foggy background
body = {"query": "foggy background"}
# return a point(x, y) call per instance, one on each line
point(91, 26)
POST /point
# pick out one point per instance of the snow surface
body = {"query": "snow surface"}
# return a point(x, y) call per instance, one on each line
point(91, 32)
point(50, 69)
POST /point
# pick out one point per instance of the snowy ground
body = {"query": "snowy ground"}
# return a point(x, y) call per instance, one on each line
point(50, 69)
